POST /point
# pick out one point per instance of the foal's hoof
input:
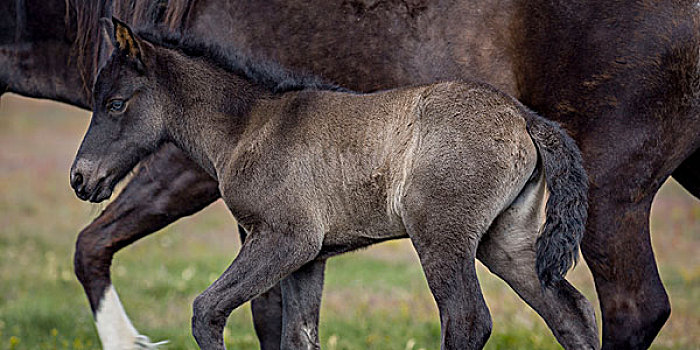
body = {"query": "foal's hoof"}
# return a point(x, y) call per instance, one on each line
point(142, 342)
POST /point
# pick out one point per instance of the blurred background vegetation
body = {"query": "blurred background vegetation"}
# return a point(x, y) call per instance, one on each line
point(374, 299)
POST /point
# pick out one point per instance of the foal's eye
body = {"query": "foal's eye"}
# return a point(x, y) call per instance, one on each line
point(116, 105)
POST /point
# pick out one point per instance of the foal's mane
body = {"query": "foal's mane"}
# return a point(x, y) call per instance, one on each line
point(266, 73)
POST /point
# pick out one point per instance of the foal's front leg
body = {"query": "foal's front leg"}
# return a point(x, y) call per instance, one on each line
point(265, 258)
point(168, 186)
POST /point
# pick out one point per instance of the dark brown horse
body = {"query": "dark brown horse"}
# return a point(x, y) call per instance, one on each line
point(621, 76)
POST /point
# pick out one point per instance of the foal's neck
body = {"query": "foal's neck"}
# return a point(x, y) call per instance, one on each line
point(212, 111)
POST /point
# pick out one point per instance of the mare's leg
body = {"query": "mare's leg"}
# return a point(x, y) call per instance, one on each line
point(301, 295)
point(617, 244)
point(508, 250)
point(688, 174)
point(166, 188)
point(633, 301)
point(265, 258)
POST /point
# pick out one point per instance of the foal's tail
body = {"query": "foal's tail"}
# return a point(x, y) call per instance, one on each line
point(567, 206)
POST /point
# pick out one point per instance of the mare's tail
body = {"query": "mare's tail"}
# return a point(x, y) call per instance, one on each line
point(567, 205)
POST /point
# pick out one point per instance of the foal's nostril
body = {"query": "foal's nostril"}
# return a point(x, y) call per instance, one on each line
point(77, 180)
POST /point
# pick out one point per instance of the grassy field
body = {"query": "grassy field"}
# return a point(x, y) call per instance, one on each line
point(374, 299)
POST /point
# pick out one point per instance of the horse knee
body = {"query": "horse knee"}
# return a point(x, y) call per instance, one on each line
point(91, 259)
point(633, 324)
point(207, 323)
point(200, 311)
point(483, 331)
point(658, 317)
point(91, 263)
point(465, 325)
point(584, 308)
point(468, 332)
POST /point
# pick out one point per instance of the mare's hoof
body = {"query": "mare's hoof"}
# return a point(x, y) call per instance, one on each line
point(142, 342)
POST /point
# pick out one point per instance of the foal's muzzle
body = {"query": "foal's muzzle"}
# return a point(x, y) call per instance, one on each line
point(89, 183)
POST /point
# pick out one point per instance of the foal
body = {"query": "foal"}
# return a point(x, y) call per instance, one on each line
point(311, 172)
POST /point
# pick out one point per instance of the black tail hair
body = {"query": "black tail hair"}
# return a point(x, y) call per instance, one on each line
point(567, 206)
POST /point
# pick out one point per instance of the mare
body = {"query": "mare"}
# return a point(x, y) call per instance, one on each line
point(311, 172)
point(622, 77)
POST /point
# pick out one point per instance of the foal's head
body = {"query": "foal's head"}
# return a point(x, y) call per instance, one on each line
point(156, 75)
point(127, 116)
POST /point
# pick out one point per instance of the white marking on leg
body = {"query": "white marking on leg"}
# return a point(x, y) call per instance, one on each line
point(114, 327)
point(309, 334)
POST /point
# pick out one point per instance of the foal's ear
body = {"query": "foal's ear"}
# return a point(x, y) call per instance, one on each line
point(124, 40)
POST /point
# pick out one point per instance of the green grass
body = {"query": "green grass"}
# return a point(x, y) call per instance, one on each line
point(374, 299)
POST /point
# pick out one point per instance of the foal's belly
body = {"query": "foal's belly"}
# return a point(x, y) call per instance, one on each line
point(339, 244)
point(358, 231)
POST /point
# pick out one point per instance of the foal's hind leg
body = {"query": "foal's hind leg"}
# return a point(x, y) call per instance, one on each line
point(449, 268)
point(508, 250)
point(446, 246)
point(267, 318)
point(301, 295)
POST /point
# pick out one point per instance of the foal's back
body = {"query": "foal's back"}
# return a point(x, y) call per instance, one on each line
point(349, 159)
